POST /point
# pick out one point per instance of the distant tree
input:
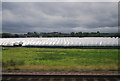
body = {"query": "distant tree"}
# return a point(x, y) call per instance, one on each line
point(59, 34)
point(72, 34)
point(16, 35)
point(7, 35)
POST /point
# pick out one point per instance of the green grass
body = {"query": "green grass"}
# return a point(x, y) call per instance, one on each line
point(58, 59)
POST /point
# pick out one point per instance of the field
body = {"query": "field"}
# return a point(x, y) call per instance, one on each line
point(58, 59)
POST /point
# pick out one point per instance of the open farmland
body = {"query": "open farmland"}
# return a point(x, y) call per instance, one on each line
point(59, 59)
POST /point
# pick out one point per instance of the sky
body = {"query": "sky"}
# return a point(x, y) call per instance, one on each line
point(23, 17)
point(60, 0)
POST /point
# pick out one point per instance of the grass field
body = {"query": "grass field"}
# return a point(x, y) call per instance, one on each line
point(58, 59)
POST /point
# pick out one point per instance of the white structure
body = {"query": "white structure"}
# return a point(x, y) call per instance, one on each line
point(61, 41)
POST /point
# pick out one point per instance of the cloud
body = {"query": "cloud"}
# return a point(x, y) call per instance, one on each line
point(100, 29)
point(21, 17)
point(60, 0)
point(0, 17)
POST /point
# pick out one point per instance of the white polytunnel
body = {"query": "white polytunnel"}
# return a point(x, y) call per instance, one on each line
point(60, 41)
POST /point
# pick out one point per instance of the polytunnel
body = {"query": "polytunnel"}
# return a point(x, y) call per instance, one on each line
point(61, 41)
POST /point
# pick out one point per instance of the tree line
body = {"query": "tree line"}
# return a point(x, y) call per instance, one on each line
point(59, 34)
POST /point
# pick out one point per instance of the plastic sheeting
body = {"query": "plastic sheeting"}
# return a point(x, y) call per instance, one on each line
point(61, 41)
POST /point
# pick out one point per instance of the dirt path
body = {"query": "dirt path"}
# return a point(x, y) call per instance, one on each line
point(62, 72)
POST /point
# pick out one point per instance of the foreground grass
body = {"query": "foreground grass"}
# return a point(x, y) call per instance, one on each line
point(19, 58)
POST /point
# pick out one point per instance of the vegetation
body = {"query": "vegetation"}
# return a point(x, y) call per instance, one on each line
point(58, 59)
point(59, 34)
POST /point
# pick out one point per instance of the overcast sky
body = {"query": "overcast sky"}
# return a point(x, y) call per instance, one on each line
point(23, 17)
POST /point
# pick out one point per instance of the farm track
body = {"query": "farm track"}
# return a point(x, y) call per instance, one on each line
point(59, 78)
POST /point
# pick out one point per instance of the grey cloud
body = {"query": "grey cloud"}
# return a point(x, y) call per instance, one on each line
point(0, 17)
point(44, 16)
